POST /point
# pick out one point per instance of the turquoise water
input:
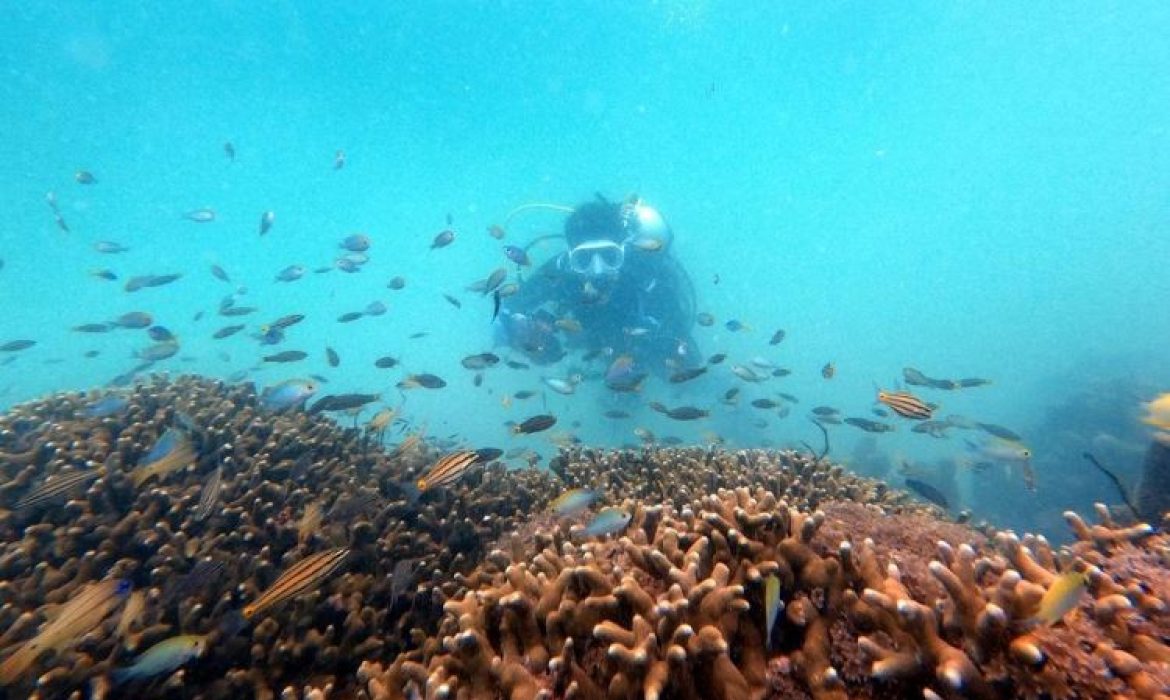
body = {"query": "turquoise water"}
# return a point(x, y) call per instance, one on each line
point(974, 190)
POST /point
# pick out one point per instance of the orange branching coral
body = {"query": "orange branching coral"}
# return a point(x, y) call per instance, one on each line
point(674, 608)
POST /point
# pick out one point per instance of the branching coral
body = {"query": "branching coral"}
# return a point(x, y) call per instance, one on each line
point(277, 470)
point(673, 608)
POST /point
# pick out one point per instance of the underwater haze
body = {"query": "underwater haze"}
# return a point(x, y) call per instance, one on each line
point(969, 190)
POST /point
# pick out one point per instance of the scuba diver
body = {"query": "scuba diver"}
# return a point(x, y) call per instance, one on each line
point(615, 290)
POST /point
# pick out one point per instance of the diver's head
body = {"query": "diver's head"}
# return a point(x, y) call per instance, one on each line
point(596, 234)
point(600, 232)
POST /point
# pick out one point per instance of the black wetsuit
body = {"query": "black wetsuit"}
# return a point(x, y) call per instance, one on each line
point(647, 312)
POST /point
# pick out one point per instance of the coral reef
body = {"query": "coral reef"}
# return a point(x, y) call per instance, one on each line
point(278, 470)
point(875, 605)
point(473, 590)
point(680, 475)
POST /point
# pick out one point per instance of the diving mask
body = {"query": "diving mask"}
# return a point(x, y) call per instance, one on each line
point(597, 258)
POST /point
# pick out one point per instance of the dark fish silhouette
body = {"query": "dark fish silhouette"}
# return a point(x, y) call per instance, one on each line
point(928, 492)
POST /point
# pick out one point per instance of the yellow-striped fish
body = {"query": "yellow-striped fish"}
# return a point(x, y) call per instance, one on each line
point(447, 470)
point(82, 613)
point(772, 606)
point(55, 487)
point(1062, 596)
point(305, 575)
point(906, 404)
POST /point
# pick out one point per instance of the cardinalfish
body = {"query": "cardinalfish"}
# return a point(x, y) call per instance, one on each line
point(171, 452)
point(56, 488)
point(209, 494)
point(447, 470)
point(906, 404)
point(82, 613)
point(1062, 596)
point(572, 502)
point(302, 577)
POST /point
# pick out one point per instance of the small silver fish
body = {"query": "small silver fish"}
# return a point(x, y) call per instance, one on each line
point(201, 216)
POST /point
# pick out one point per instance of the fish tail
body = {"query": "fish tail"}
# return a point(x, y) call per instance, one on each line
point(139, 477)
point(121, 675)
point(411, 491)
point(16, 665)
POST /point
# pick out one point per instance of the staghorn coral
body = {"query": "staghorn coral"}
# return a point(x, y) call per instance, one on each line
point(276, 467)
point(680, 475)
point(673, 608)
point(524, 605)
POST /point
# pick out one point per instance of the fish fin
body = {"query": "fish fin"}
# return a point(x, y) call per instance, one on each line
point(232, 624)
point(139, 477)
point(409, 490)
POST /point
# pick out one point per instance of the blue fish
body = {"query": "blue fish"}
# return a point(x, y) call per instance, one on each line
point(106, 407)
point(609, 521)
point(287, 394)
point(163, 657)
point(270, 335)
point(165, 445)
point(160, 334)
point(517, 255)
point(573, 501)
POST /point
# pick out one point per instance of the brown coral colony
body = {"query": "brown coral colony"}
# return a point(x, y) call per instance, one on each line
point(299, 550)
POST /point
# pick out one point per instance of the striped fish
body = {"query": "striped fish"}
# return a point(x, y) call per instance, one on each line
point(172, 451)
point(209, 496)
point(301, 578)
point(55, 487)
point(131, 611)
point(447, 470)
point(905, 404)
point(76, 618)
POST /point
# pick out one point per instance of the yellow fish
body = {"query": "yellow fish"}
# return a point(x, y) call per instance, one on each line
point(772, 606)
point(1159, 412)
point(1061, 597)
point(382, 419)
point(568, 325)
